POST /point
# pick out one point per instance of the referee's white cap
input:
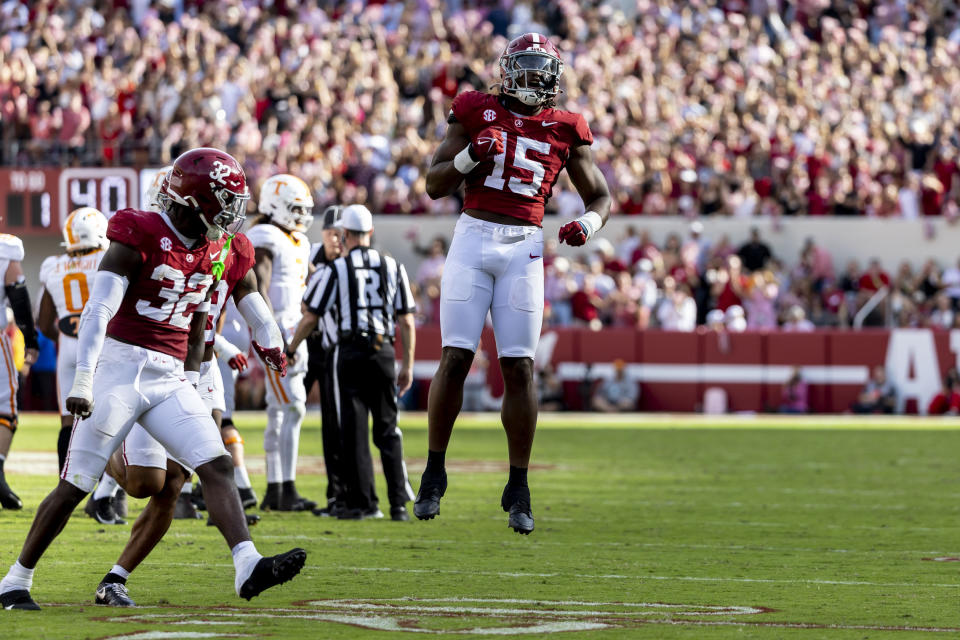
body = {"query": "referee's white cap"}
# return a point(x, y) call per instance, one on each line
point(357, 218)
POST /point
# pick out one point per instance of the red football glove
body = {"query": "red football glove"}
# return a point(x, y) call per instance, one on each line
point(573, 233)
point(487, 143)
point(238, 362)
point(274, 358)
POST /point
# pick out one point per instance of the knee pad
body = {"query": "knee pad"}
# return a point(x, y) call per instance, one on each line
point(271, 439)
point(295, 410)
point(10, 422)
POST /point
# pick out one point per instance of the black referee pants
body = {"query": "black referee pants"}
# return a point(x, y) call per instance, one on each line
point(320, 368)
point(366, 378)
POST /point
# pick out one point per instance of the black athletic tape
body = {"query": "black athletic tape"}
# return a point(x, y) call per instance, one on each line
point(19, 297)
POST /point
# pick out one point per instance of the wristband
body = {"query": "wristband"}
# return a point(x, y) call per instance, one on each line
point(203, 307)
point(82, 385)
point(591, 221)
point(463, 162)
point(193, 377)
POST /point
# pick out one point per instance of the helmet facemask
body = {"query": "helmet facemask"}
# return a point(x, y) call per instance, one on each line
point(232, 214)
point(532, 77)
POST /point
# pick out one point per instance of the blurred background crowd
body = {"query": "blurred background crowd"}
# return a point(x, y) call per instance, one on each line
point(705, 107)
point(698, 280)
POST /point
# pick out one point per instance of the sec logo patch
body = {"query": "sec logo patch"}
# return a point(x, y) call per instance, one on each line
point(489, 115)
point(166, 244)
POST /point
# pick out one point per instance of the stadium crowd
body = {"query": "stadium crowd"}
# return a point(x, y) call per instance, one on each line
point(699, 281)
point(708, 107)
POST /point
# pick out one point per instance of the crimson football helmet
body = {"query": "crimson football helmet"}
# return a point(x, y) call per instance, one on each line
point(212, 183)
point(530, 70)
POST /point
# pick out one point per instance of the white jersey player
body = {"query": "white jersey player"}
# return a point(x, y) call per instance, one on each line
point(13, 293)
point(282, 267)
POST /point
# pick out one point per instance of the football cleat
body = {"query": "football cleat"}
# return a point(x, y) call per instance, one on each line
point(291, 500)
point(271, 497)
point(8, 499)
point(113, 594)
point(184, 509)
point(120, 503)
point(432, 488)
point(102, 510)
point(398, 513)
point(360, 514)
point(272, 571)
point(516, 502)
point(18, 599)
point(248, 498)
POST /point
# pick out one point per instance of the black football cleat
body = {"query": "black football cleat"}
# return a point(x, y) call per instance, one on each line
point(516, 502)
point(372, 513)
point(102, 510)
point(291, 500)
point(398, 513)
point(120, 503)
point(113, 594)
point(272, 571)
point(8, 499)
point(185, 509)
point(271, 497)
point(248, 498)
point(432, 488)
point(18, 599)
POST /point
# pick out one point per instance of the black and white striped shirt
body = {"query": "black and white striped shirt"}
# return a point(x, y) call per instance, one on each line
point(364, 290)
point(327, 325)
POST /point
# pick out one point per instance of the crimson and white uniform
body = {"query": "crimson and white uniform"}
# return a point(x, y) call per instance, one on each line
point(11, 250)
point(496, 267)
point(68, 279)
point(139, 376)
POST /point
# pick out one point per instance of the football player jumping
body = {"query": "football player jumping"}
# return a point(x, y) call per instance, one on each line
point(149, 296)
point(509, 148)
point(283, 263)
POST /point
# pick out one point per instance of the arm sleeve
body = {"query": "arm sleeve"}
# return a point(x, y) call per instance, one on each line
point(105, 299)
point(265, 330)
point(19, 298)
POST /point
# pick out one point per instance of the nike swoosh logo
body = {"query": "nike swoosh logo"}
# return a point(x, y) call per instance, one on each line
point(533, 257)
point(215, 255)
point(548, 124)
point(101, 593)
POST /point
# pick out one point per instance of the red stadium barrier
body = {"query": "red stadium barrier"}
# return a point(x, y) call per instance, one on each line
point(674, 370)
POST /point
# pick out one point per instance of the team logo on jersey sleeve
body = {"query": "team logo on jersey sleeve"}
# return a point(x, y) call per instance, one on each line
point(489, 115)
point(518, 122)
point(166, 244)
point(189, 257)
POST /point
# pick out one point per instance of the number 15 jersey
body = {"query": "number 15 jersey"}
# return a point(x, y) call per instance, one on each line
point(518, 182)
point(159, 303)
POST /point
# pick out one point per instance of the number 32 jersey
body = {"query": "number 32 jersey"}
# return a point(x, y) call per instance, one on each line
point(68, 280)
point(159, 303)
point(519, 181)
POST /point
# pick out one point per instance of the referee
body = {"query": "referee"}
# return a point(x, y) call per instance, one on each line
point(369, 296)
point(320, 345)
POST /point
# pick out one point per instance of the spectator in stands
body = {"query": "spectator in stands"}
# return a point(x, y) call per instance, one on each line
point(617, 393)
point(878, 395)
point(796, 320)
point(736, 319)
point(794, 397)
point(947, 401)
point(950, 281)
point(943, 313)
point(874, 278)
point(549, 389)
point(677, 310)
point(755, 252)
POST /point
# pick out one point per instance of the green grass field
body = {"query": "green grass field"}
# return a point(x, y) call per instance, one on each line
point(647, 527)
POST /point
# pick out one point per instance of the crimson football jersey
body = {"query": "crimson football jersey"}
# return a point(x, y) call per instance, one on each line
point(159, 302)
point(238, 261)
point(519, 181)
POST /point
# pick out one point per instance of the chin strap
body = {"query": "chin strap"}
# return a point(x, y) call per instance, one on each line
point(218, 264)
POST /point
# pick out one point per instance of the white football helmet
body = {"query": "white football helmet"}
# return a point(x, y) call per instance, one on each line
point(150, 196)
point(287, 201)
point(86, 228)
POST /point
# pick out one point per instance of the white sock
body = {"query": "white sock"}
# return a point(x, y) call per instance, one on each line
point(241, 478)
point(273, 467)
point(187, 487)
point(19, 577)
point(106, 489)
point(120, 571)
point(245, 559)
